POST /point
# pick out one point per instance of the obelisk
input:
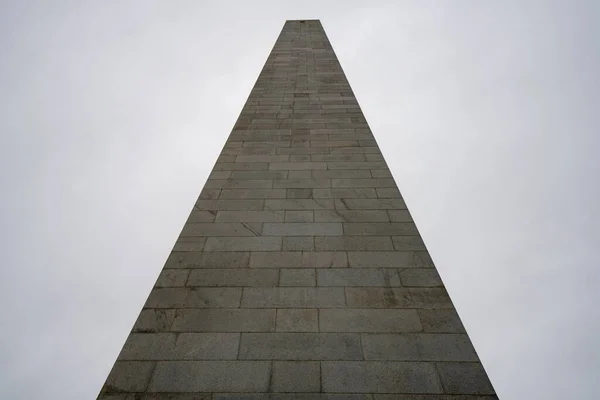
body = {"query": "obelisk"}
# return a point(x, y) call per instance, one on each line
point(299, 273)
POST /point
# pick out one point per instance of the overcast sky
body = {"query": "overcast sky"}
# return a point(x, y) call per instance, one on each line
point(112, 114)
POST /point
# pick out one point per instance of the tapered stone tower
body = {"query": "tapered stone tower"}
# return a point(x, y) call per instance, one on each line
point(299, 273)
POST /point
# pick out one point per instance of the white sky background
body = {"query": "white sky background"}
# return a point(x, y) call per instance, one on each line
point(112, 115)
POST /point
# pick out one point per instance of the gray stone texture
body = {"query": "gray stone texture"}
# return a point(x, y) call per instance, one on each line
point(299, 273)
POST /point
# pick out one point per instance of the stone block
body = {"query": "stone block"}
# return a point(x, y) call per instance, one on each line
point(129, 376)
point(293, 297)
point(243, 244)
point(201, 216)
point(364, 193)
point(357, 277)
point(211, 376)
point(370, 204)
point(180, 346)
point(297, 320)
point(342, 173)
point(237, 259)
point(299, 216)
point(355, 162)
point(193, 298)
point(300, 346)
point(276, 260)
point(296, 376)
point(250, 216)
point(241, 166)
point(259, 175)
point(238, 184)
point(289, 166)
point(388, 259)
point(369, 320)
point(369, 216)
point(233, 277)
point(431, 297)
point(441, 321)
point(154, 320)
point(299, 193)
point(400, 216)
point(379, 377)
point(172, 278)
point(302, 228)
point(298, 243)
point(297, 277)
point(219, 175)
point(224, 320)
point(234, 194)
point(420, 277)
point(298, 204)
point(230, 205)
point(263, 158)
point(299, 175)
point(418, 347)
point(362, 183)
point(374, 297)
point(209, 194)
point(464, 378)
point(387, 193)
point(302, 183)
point(403, 243)
point(324, 259)
point(217, 229)
point(347, 243)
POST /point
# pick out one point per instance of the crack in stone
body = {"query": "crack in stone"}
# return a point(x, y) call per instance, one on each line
point(250, 229)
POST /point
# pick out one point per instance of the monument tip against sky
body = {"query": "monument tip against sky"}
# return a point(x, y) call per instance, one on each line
point(299, 273)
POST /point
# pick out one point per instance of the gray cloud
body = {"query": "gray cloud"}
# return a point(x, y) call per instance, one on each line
point(112, 115)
